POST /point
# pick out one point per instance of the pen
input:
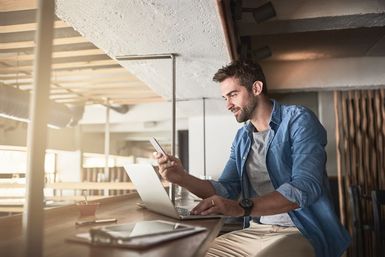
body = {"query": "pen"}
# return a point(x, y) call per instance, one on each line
point(96, 221)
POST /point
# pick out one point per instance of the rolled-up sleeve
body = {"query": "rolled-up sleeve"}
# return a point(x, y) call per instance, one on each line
point(219, 189)
point(292, 194)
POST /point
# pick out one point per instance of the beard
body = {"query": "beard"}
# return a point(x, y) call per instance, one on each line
point(246, 112)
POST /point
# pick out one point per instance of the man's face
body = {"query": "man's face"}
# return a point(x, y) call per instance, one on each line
point(239, 101)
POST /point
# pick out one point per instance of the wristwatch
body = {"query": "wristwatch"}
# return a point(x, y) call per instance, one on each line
point(247, 206)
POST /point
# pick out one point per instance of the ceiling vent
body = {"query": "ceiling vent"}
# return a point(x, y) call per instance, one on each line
point(14, 104)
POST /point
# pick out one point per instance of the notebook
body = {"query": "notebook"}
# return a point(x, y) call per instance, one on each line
point(154, 195)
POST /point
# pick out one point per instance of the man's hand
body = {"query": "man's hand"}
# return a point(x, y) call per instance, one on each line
point(170, 168)
point(218, 205)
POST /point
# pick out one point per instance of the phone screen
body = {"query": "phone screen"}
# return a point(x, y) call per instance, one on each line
point(157, 146)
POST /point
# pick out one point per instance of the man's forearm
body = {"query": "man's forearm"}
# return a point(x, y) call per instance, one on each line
point(199, 187)
point(272, 203)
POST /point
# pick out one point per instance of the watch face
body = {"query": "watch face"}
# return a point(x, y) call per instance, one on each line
point(247, 203)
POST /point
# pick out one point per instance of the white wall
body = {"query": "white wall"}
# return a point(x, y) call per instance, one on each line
point(68, 166)
point(327, 118)
point(220, 132)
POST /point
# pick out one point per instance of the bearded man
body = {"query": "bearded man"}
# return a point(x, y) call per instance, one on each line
point(275, 177)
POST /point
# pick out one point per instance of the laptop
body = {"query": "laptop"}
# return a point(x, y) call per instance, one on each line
point(154, 195)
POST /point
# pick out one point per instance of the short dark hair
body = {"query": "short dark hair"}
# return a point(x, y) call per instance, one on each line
point(246, 71)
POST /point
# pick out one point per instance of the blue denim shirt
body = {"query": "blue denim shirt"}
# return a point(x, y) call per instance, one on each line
point(295, 160)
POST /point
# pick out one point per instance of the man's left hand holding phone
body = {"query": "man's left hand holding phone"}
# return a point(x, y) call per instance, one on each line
point(170, 167)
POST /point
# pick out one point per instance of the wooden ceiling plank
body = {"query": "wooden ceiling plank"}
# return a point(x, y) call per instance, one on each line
point(64, 73)
point(137, 101)
point(73, 101)
point(61, 54)
point(29, 27)
point(31, 44)
point(12, 5)
point(128, 81)
point(113, 70)
point(87, 84)
point(72, 66)
point(112, 95)
point(115, 93)
point(58, 90)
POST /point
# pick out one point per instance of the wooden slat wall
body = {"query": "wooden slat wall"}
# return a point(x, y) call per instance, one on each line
point(116, 174)
point(360, 117)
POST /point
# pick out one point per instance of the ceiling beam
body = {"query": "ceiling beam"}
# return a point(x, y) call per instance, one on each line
point(368, 20)
point(29, 27)
point(325, 74)
point(302, 9)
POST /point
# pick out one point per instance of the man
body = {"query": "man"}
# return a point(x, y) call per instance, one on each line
point(275, 176)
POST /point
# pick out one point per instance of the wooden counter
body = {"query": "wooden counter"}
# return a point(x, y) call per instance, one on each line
point(60, 225)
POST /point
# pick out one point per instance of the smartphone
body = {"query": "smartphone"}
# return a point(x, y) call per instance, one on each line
point(157, 146)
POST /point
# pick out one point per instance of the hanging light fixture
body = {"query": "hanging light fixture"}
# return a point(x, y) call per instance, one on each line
point(260, 14)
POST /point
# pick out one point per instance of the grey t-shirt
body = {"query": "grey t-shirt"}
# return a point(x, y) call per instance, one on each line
point(259, 177)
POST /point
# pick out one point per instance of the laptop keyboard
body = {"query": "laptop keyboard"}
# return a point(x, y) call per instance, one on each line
point(183, 211)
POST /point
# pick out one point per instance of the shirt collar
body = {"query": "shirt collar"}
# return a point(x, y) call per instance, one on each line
point(275, 118)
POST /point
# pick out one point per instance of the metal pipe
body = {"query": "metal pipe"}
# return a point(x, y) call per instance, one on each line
point(173, 110)
point(171, 56)
point(144, 57)
point(106, 145)
point(33, 217)
point(173, 139)
point(204, 137)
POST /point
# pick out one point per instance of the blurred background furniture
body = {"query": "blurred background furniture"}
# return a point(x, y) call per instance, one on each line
point(378, 200)
point(361, 227)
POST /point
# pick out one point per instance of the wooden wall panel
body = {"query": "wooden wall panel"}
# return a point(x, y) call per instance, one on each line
point(360, 118)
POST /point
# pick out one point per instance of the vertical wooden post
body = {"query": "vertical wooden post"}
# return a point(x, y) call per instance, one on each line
point(339, 165)
point(33, 217)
